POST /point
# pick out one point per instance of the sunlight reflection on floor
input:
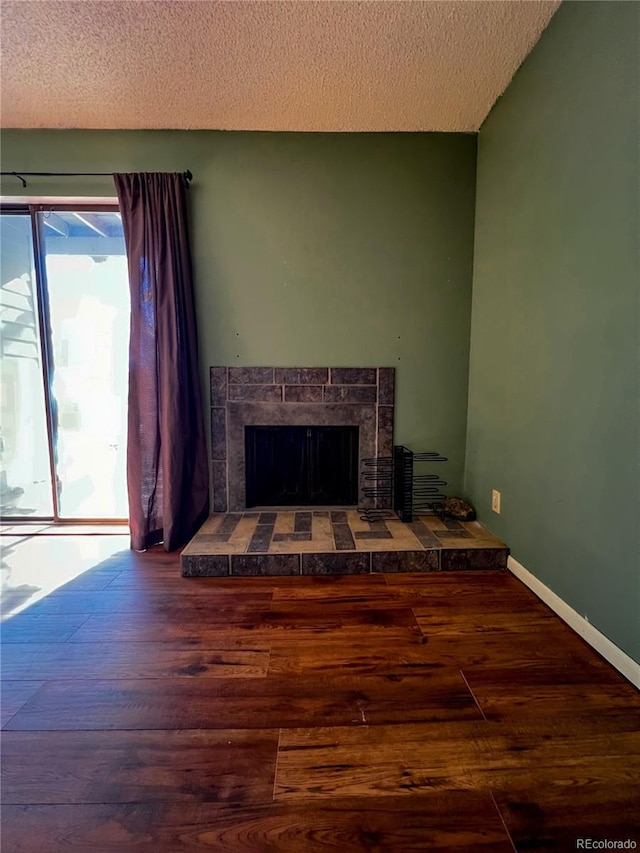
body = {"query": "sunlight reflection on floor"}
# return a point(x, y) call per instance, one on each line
point(32, 567)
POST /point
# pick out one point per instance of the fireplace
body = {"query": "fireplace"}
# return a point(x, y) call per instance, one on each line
point(359, 398)
point(301, 466)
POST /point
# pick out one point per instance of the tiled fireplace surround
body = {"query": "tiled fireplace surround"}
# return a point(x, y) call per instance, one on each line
point(234, 541)
point(293, 396)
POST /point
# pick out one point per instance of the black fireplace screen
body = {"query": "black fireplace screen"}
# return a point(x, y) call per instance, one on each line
point(301, 466)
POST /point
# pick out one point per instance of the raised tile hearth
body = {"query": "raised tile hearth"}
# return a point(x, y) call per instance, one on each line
point(323, 542)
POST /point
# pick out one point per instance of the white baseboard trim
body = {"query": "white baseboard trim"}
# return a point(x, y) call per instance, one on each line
point(603, 645)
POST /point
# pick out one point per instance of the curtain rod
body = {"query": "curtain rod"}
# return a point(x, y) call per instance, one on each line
point(20, 175)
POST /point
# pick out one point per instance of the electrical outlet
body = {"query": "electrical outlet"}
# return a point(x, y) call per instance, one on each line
point(495, 501)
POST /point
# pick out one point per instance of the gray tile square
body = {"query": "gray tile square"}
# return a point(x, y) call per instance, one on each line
point(460, 559)
point(218, 433)
point(385, 430)
point(302, 522)
point(386, 386)
point(425, 536)
point(303, 393)
point(249, 565)
point(302, 375)
point(218, 377)
point(219, 485)
point(205, 565)
point(405, 561)
point(259, 393)
point(354, 563)
point(350, 394)
point(261, 539)
point(354, 376)
point(343, 538)
point(229, 522)
point(250, 375)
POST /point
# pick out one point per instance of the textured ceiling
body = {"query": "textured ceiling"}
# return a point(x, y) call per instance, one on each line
point(430, 65)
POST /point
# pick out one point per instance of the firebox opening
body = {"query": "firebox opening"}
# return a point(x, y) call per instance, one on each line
point(301, 466)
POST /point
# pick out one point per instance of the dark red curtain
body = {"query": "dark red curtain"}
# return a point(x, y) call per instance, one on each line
point(167, 471)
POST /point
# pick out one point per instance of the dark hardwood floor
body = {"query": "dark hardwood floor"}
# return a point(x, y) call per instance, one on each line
point(442, 712)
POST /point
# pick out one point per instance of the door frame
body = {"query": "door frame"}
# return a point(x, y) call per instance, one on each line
point(46, 344)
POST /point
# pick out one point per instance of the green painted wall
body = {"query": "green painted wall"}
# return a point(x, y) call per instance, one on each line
point(553, 404)
point(313, 249)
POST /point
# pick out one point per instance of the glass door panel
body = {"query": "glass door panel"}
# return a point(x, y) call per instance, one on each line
point(89, 309)
point(25, 465)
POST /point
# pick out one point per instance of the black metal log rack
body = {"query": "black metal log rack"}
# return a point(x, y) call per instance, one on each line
point(401, 485)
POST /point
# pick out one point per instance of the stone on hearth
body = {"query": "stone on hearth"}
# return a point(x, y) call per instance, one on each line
point(458, 509)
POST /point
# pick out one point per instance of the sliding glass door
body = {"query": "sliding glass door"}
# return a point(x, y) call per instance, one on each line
point(25, 459)
point(66, 409)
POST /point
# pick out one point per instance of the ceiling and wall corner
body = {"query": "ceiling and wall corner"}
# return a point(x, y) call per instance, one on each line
point(307, 65)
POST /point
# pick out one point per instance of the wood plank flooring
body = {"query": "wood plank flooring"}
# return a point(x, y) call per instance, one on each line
point(143, 711)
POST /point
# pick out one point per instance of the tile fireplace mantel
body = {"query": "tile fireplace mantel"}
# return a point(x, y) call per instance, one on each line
point(293, 396)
